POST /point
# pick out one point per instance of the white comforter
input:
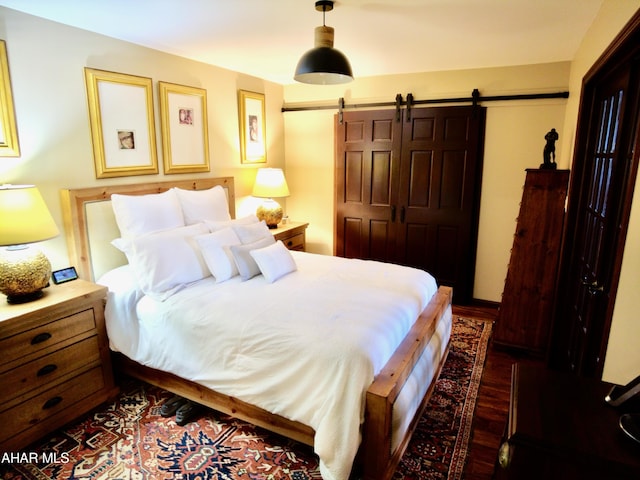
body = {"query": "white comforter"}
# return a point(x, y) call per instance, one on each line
point(306, 347)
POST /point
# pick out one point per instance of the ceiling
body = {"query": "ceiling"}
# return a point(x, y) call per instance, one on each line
point(266, 38)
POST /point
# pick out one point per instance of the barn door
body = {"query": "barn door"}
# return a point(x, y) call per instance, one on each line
point(599, 204)
point(407, 190)
point(439, 192)
point(367, 167)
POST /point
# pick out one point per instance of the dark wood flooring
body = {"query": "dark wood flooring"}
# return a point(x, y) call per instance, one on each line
point(492, 406)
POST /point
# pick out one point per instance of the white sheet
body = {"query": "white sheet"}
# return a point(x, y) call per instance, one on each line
point(306, 347)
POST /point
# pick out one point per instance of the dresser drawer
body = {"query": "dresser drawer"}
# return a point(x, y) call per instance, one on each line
point(295, 242)
point(49, 368)
point(31, 341)
point(49, 403)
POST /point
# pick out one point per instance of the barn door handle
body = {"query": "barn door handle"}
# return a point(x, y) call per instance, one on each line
point(393, 213)
point(402, 212)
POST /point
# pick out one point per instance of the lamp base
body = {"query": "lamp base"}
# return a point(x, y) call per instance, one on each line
point(26, 298)
point(24, 272)
point(271, 212)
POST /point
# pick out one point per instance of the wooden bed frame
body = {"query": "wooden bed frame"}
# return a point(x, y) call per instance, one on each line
point(375, 458)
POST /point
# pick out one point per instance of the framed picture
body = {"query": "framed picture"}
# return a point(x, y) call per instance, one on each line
point(253, 147)
point(9, 146)
point(122, 124)
point(185, 145)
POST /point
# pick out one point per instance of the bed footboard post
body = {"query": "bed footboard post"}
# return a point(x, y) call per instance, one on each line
point(376, 451)
point(377, 459)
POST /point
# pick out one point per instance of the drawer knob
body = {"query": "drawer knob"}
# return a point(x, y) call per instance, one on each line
point(47, 369)
point(289, 243)
point(41, 337)
point(52, 402)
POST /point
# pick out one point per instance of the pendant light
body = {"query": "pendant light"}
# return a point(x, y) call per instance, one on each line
point(323, 65)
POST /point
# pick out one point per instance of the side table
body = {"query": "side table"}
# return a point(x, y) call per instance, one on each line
point(560, 427)
point(292, 234)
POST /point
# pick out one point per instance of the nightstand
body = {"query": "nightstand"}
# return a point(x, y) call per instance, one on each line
point(55, 363)
point(292, 234)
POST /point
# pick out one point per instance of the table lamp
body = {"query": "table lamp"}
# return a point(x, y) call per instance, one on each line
point(270, 182)
point(24, 219)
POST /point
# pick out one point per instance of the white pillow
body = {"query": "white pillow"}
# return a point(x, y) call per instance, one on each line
point(217, 254)
point(247, 266)
point(253, 232)
point(249, 219)
point(141, 214)
point(164, 262)
point(274, 261)
point(200, 205)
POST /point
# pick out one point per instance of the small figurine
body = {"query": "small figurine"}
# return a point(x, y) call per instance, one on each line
point(549, 153)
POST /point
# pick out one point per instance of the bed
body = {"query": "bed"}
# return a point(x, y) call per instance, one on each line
point(371, 431)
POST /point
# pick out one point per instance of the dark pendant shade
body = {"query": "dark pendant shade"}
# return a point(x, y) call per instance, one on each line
point(323, 66)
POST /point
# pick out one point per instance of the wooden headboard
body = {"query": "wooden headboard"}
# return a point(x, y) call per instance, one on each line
point(90, 225)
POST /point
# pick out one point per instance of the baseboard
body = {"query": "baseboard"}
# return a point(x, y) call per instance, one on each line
point(475, 302)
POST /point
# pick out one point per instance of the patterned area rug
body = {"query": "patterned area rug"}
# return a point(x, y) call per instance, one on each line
point(129, 440)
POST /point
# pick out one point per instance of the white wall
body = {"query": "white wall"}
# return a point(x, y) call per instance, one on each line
point(46, 62)
point(514, 141)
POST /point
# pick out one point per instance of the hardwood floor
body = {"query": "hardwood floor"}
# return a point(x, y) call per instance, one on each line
point(492, 406)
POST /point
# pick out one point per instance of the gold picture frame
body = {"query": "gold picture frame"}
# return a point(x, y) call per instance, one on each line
point(122, 123)
point(251, 109)
point(9, 145)
point(184, 127)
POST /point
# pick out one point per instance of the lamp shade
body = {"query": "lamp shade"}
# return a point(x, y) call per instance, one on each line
point(323, 65)
point(270, 183)
point(24, 217)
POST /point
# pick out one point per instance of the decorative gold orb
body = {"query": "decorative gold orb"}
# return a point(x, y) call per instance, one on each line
point(24, 272)
point(271, 212)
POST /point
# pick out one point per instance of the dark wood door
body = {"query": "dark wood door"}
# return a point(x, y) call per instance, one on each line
point(599, 204)
point(367, 165)
point(408, 189)
point(441, 166)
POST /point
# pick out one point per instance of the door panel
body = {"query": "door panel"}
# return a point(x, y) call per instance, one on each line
point(352, 237)
point(420, 175)
point(381, 179)
point(353, 179)
point(412, 189)
point(454, 164)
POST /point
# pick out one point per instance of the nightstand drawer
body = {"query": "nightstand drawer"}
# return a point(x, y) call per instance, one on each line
point(295, 242)
point(49, 368)
point(292, 235)
point(31, 341)
point(49, 403)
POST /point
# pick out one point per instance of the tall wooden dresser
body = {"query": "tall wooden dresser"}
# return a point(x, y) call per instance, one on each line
point(54, 361)
point(524, 317)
